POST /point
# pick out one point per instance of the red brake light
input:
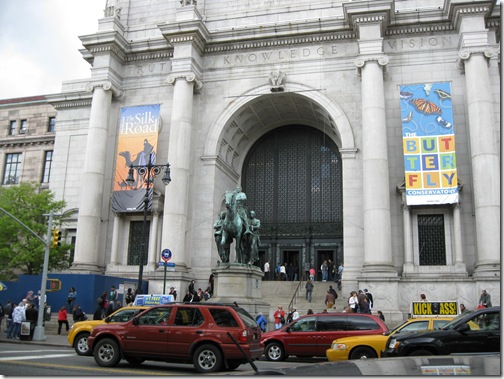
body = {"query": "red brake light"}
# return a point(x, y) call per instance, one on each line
point(243, 336)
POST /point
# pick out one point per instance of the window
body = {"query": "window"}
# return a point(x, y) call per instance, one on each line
point(46, 174)
point(188, 317)
point(24, 127)
point(156, 316)
point(362, 323)
point(306, 324)
point(52, 125)
point(415, 326)
point(12, 168)
point(135, 243)
point(124, 315)
point(12, 128)
point(431, 240)
point(223, 317)
point(331, 323)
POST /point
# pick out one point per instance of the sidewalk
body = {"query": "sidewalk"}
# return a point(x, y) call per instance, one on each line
point(50, 340)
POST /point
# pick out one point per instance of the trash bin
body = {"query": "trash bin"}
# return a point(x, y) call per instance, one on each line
point(25, 331)
point(47, 313)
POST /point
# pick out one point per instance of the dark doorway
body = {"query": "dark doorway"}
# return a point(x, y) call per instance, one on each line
point(324, 255)
point(291, 260)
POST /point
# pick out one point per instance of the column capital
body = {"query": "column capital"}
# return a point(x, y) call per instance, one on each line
point(189, 77)
point(106, 85)
point(465, 54)
point(361, 61)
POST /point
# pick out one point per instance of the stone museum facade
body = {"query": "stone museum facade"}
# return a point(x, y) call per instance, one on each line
point(310, 108)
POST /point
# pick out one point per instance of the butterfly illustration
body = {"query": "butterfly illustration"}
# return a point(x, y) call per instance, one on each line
point(426, 106)
point(442, 94)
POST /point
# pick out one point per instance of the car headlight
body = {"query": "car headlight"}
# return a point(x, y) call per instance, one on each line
point(338, 346)
point(394, 344)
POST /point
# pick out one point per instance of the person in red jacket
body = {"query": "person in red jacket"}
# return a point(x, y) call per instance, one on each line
point(279, 315)
point(62, 319)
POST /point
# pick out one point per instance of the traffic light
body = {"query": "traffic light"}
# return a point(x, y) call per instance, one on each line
point(56, 237)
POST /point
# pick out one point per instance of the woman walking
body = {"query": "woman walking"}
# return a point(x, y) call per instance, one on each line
point(62, 319)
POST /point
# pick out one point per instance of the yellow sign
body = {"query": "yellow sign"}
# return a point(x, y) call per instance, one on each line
point(434, 308)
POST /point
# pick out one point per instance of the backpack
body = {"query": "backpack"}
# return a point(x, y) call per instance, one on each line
point(282, 320)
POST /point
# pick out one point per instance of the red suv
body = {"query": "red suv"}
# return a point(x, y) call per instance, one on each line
point(213, 337)
point(312, 335)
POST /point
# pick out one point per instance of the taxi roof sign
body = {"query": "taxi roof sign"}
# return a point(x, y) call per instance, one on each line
point(153, 299)
point(434, 308)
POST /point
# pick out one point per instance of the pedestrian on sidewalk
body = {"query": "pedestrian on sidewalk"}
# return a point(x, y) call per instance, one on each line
point(31, 314)
point(72, 296)
point(309, 290)
point(62, 318)
point(7, 310)
point(18, 316)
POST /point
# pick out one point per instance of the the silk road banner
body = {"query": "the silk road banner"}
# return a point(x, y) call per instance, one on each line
point(430, 166)
point(137, 141)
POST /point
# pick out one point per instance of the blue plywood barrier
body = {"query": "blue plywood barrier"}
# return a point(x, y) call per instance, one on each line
point(88, 286)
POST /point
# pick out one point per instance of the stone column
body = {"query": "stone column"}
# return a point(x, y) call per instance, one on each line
point(408, 265)
point(376, 197)
point(179, 157)
point(89, 223)
point(115, 238)
point(474, 60)
point(457, 238)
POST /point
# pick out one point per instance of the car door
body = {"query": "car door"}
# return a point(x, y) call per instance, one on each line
point(148, 336)
point(329, 328)
point(187, 327)
point(300, 337)
point(483, 335)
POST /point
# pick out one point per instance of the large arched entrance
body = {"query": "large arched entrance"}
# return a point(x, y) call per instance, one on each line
point(293, 180)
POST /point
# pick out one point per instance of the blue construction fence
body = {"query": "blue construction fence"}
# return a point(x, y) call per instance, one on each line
point(88, 286)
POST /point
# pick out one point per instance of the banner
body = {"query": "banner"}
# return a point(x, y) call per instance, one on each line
point(434, 308)
point(428, 144)
point(137, 140)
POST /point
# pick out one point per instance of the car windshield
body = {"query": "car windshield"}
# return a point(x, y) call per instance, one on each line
point(394, 329)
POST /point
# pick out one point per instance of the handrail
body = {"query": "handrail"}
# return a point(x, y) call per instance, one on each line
point(294, 296)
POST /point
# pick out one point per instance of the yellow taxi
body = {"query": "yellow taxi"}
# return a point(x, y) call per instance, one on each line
point(80, 331)
point(371, 346)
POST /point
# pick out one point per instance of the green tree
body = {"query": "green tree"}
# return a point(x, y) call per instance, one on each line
point(20, 251)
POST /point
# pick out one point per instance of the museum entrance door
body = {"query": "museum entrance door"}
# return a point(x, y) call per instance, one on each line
point(292, 177)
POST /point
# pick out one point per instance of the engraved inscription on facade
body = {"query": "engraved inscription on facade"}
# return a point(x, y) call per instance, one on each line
point(151, 68)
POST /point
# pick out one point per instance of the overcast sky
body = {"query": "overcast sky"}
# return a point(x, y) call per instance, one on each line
point(39, 44)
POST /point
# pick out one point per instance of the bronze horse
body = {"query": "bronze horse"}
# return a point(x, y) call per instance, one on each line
point(234, 228)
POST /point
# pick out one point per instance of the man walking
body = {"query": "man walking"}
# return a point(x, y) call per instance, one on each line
point(267, 270)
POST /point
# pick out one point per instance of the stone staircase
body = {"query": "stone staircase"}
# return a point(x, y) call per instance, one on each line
point(282, 292)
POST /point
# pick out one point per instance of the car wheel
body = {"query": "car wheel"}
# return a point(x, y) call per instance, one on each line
point(232, 364)
point(134, 361)
point(363, 353)
point(107, 353)
point(420, 352)
point(274, 352)
point(207, 358)
point(81, 346)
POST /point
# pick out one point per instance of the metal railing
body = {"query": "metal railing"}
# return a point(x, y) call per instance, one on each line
point(293, 299)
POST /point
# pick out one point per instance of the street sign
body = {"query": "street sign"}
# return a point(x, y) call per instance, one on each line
point(166, 255)
point(169, 266)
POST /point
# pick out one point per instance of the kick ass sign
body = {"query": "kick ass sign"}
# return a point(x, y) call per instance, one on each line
point(434, 308)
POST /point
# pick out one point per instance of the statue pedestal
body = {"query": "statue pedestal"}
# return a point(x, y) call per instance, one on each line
point(241, 283)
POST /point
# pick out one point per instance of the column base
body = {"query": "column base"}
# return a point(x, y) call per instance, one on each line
point(85, 268)
point(487, 270)
point(378, 271)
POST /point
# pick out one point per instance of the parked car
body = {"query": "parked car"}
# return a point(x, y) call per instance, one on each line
point(371, 346)
point(475, 332)
point(211, 336)
point(312, 335)
point(80, 331)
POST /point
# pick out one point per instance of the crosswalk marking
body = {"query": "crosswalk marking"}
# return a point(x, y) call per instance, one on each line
point(27, 357)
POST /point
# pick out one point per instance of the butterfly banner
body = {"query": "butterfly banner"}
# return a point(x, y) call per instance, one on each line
point(430, 165)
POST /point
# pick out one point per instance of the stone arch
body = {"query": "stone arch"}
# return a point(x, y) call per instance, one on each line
point(259, 110)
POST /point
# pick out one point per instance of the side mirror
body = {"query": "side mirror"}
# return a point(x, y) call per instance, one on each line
point(107, 319)
point(463, 328)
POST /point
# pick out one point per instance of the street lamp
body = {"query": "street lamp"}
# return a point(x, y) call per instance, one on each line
point(147, 173)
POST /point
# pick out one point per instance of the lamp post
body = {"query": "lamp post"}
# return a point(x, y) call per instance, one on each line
point(147, 173)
